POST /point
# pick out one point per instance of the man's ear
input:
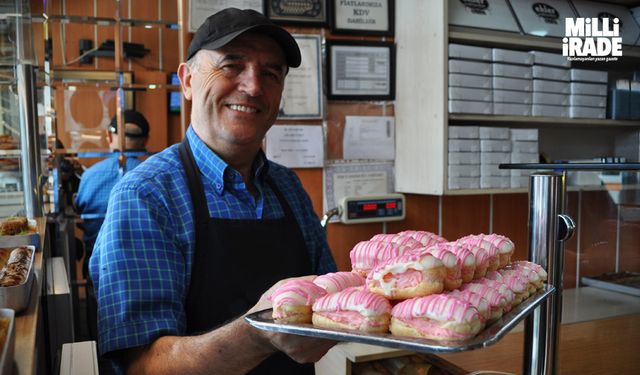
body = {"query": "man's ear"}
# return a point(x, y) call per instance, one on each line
point(184, 74)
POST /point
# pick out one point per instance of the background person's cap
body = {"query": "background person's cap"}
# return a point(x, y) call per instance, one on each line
point(133, 117)
point(224, 26)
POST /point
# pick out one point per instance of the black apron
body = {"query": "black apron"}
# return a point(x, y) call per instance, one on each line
point(236, 260)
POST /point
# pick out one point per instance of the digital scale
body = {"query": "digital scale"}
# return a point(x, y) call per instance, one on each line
point(369, 209)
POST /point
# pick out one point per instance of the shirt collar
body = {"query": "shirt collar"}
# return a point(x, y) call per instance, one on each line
point(216, 170)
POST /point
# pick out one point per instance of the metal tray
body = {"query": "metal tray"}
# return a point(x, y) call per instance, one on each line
point(31, 239)
point(489, 336)
point(17, 297)
point(622, 282)
point(6, 357)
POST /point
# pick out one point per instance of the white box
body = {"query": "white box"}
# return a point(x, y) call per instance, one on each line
point(520, 172)
point(467, 145)
point(550, 110)
point(588, 88)
point(516, 84)
point(490, 132)
point(524, 146)
point(512, 109)
point(519, 182)
point(592, 9)
point(464, 170)
point(586, 75)
point(469, 80)
point(587, 112)
point(495, 15)
point(524, 134)
point(463, 93)
point(510, 70)
point(550, 99)
point(513, 57)
point(587, 100)
point(493, 170)
point(464, 182)
point(464, 158)
point(495, 145)
point(461, 51)
point(521, 157)
point(542, 18)
point(551, 73)
point(495, 157)
point(554, 87)
point(464, 132)
point(553, 59)
point(470, 67)
point(492, 182)
point(508, 96)
point(466, 106)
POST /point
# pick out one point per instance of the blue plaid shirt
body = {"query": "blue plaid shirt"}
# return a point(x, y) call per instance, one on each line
point(141, 265)
point(93, 194)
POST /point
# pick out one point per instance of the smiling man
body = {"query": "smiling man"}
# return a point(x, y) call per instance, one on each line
point(201, 233)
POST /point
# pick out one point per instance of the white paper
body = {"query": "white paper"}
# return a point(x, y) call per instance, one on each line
point(199, 10)
point(301, 97)
point(369, 137)
point(296, 146)
point(355, 179)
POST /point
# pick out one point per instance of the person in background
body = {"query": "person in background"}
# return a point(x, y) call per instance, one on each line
point(96, 185)
point(195, 237)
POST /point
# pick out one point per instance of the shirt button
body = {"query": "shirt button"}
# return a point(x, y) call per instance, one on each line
point(218, 186)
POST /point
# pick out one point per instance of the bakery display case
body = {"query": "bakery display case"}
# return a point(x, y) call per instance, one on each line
point(20, 170)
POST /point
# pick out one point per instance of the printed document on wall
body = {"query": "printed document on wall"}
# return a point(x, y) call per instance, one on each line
point(296, 146)
point(369, 137)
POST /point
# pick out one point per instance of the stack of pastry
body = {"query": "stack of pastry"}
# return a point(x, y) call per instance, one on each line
point(442, 290)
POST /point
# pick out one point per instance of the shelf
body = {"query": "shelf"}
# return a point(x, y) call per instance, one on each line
point(510, 40)
point(485, 191)
point(537, 121)
point(106, 21)
point(9, 154)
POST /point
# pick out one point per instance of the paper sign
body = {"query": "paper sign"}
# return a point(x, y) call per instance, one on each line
point(369, 137)
point(296, 146)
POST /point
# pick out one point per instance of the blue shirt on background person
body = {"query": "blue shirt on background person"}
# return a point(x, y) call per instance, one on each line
point(149, 231)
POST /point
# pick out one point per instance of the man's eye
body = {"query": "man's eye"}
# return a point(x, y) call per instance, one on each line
point(273, 75)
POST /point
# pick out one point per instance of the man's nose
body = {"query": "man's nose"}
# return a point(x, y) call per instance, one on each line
point(250, 82)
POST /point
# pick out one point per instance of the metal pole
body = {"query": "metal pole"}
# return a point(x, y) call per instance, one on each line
point(546, 205)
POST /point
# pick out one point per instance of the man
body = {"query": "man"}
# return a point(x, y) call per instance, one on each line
point(98, 180)
point(96, 185)
point(195, 236)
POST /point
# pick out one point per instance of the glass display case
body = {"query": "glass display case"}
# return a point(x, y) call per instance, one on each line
point(20, 164)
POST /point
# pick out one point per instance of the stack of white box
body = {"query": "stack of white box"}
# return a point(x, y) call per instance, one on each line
point(524, 149)
point(464, 157)
point(512, 82)
point(495, 148)
point(550, 84)
point(588, 94)
point(470, 79)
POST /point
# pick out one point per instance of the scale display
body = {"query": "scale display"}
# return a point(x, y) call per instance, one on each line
point(372, 209)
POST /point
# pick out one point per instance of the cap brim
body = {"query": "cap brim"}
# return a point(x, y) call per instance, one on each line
point(283, 38)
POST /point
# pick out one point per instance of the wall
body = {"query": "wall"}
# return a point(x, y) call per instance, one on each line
point(608, 236)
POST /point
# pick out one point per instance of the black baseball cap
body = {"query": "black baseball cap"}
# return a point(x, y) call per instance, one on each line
point(224, 26)
point(133, 117)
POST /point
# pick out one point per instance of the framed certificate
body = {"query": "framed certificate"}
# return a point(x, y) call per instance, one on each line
point(302, 94)
point(299, 12)
point(199, 10)
point(374, 17)
point(360, 70)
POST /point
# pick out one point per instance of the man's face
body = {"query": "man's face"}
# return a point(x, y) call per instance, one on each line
point(236, 91)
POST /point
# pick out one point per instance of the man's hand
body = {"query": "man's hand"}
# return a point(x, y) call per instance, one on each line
point(301, 349)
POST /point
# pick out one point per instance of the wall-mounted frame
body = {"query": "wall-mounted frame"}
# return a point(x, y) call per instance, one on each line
point(199, 10)
point(359, 70)
point(362, 17)
point(311, 13)
point(302, 95)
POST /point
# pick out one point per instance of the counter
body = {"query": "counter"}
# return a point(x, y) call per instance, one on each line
point(25, 352)
point(600, 334)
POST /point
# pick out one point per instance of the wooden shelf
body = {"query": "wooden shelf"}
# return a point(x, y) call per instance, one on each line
point(538, 121)
point(495, 38)
point(485, 191)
